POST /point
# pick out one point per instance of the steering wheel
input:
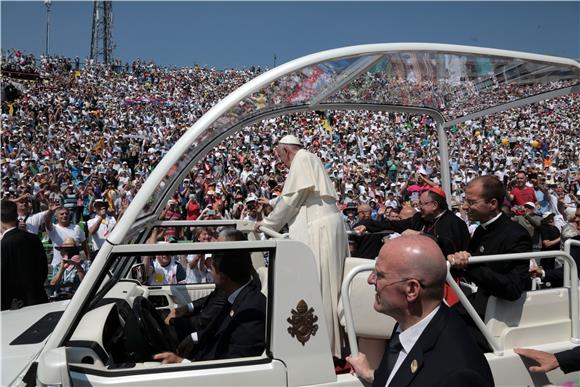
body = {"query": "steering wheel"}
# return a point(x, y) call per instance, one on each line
point(152, 327)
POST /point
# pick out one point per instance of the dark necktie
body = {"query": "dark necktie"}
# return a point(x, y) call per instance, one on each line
point(393, 352)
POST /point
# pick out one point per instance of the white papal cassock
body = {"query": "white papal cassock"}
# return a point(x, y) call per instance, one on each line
point(308, 205)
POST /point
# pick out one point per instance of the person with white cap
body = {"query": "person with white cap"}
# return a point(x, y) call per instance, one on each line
point(252, 209)
point(531, 221)
point(550, 233)
point(308, 206)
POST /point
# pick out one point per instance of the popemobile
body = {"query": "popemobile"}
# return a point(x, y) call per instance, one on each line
point(109, 331)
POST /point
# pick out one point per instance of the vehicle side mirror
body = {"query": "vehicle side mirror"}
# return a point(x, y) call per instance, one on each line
point(53, 368)
point(138, 272)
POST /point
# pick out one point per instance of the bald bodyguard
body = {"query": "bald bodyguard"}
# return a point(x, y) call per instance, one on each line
point(430, 345)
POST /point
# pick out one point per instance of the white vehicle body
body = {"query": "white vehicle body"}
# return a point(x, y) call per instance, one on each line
point(78, 351)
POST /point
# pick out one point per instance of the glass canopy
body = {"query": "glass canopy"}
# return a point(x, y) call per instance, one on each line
point(456, 82)
point(456, 85)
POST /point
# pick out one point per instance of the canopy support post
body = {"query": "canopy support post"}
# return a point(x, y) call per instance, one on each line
point(444, 161)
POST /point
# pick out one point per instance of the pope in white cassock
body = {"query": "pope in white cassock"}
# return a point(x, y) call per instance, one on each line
point(308, 206)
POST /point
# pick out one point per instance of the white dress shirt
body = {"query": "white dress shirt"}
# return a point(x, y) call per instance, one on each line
point(408, 338)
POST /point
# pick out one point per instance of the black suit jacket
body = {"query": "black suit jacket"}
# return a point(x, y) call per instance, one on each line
point(450, 232)
point(445, 355)
point(504, 279)
point(241, 328)
point(203, 320)
point(24, 269)
point(569, 360)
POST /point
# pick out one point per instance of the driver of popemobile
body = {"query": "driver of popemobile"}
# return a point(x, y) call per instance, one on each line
point(238, 328)
point(193, 323)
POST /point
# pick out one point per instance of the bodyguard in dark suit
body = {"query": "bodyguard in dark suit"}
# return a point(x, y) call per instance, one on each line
point(430, 345)
point(24, 264)
point(239, 328)
point(445, 355)
point(496, 234)
point(434, 219)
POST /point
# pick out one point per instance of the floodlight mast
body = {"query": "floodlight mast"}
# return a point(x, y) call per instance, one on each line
point(48, 4)
point(102, 31)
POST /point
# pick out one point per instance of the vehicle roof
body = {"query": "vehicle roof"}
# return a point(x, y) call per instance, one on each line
point(451, 83)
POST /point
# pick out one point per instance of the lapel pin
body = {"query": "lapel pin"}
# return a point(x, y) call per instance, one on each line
point(232, 313)
point(414, 366)
point(481, 249)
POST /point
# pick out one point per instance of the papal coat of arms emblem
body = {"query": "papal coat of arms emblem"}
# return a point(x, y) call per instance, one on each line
point(302, 322)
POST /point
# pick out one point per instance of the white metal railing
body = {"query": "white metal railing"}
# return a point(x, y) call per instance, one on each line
point(567, 248)
point(345, 297)
point(273, 234)
point(201, 223)
point(242, 225)
point(497, 347)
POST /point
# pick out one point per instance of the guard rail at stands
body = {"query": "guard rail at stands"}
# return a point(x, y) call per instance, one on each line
point(572, 275)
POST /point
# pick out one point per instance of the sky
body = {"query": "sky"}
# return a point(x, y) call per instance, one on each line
point(241, 34)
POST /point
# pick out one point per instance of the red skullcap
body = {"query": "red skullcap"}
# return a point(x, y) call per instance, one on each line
point(437, 190)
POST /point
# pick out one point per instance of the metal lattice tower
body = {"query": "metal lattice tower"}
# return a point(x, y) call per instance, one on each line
point(102, 36)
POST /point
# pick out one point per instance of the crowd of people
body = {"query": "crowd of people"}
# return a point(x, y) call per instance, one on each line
point(18, 61)
point(91, 134)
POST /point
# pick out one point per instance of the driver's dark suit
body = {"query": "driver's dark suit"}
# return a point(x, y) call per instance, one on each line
point(206, 311)
point(239, 329)
point(242, 329)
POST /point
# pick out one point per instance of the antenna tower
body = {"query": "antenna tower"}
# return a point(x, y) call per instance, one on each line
point(102, 36)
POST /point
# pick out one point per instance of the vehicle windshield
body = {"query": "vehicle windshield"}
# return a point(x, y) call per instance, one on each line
point(455, 84)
